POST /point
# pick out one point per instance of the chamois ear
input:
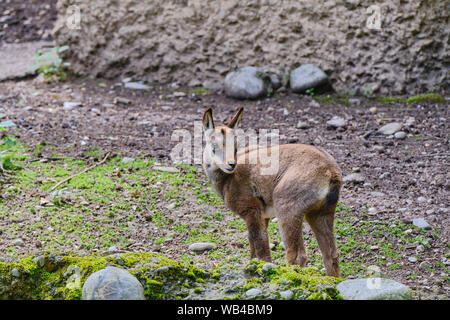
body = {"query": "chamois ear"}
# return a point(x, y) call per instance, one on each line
point(234, 123)
point(208, 122)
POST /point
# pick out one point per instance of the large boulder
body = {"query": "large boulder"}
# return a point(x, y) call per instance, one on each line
point(247, 83)
point(112, 283)
point(307, 76)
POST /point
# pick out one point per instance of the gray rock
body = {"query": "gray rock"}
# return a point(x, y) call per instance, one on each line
point(202, 246)
point(400, 135)
point(425, 265)
point(39, 260)
point(268, 267)
point(390, 128)
point(421, 223)
point(253, 293)
point(122, 100)
point(127, 160)
point(275, 81)
point(420, 248)
point(421, 199)
point(385, 175)
point(379, 149)
point(313, 103)
point(412, 259)
point(112, 283)
point(372, 211)
point(302, 125)
point(15, 273)
point(287, 294)
point(336, 122)
point(18, 242)
point(354, 178)
point(307, 76)
point(68, 106)
point(247, 83)
point(166, 169)
point(354, 102)
point(16, 58)
point(373, 289)
point(136, 86)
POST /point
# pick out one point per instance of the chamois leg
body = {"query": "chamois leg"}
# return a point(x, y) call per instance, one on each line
point(257, 236)
point(290, 218)
point(292, 236)
point(322, 225)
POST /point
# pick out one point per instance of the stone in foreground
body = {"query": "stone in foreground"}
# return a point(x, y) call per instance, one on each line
point(373, 289)
point(112, 283)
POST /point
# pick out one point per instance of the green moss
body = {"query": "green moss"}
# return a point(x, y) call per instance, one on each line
point(390, 100)
point(428, 97)
point(307, 283)
point(332, 99)
point(56, 279)
point(252, 283)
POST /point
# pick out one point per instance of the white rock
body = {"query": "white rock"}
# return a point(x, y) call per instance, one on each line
point(136, 86)
point(354, 178)
point(421, 223)
point(336, 122)
point(166, 169)
point(70, 105)
point(400, 135)
point(287, 294)
point(202, 246)
point(390, 128)
point(373, 289)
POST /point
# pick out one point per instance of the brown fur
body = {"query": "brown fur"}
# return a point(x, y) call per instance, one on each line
point(306, 185)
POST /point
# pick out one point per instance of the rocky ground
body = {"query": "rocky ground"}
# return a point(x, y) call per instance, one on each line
point(24, 21)
point(392, 217)
point(389, 181)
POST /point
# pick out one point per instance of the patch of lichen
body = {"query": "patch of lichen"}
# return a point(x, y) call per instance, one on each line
point(428, 97)
point(305, 283)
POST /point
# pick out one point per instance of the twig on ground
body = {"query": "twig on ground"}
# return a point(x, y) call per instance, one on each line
point(81, 172)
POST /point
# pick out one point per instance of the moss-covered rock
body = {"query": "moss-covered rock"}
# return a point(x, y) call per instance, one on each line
point(51, 276)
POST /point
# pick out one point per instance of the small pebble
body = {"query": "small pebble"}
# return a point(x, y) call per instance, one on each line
point(400, 135)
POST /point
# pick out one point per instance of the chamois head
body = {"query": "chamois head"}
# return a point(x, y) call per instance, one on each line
point(221, 145)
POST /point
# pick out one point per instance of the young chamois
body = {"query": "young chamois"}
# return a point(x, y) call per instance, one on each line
point(306, 185)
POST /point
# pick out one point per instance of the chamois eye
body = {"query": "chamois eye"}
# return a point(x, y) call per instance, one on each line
point(215, 147)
